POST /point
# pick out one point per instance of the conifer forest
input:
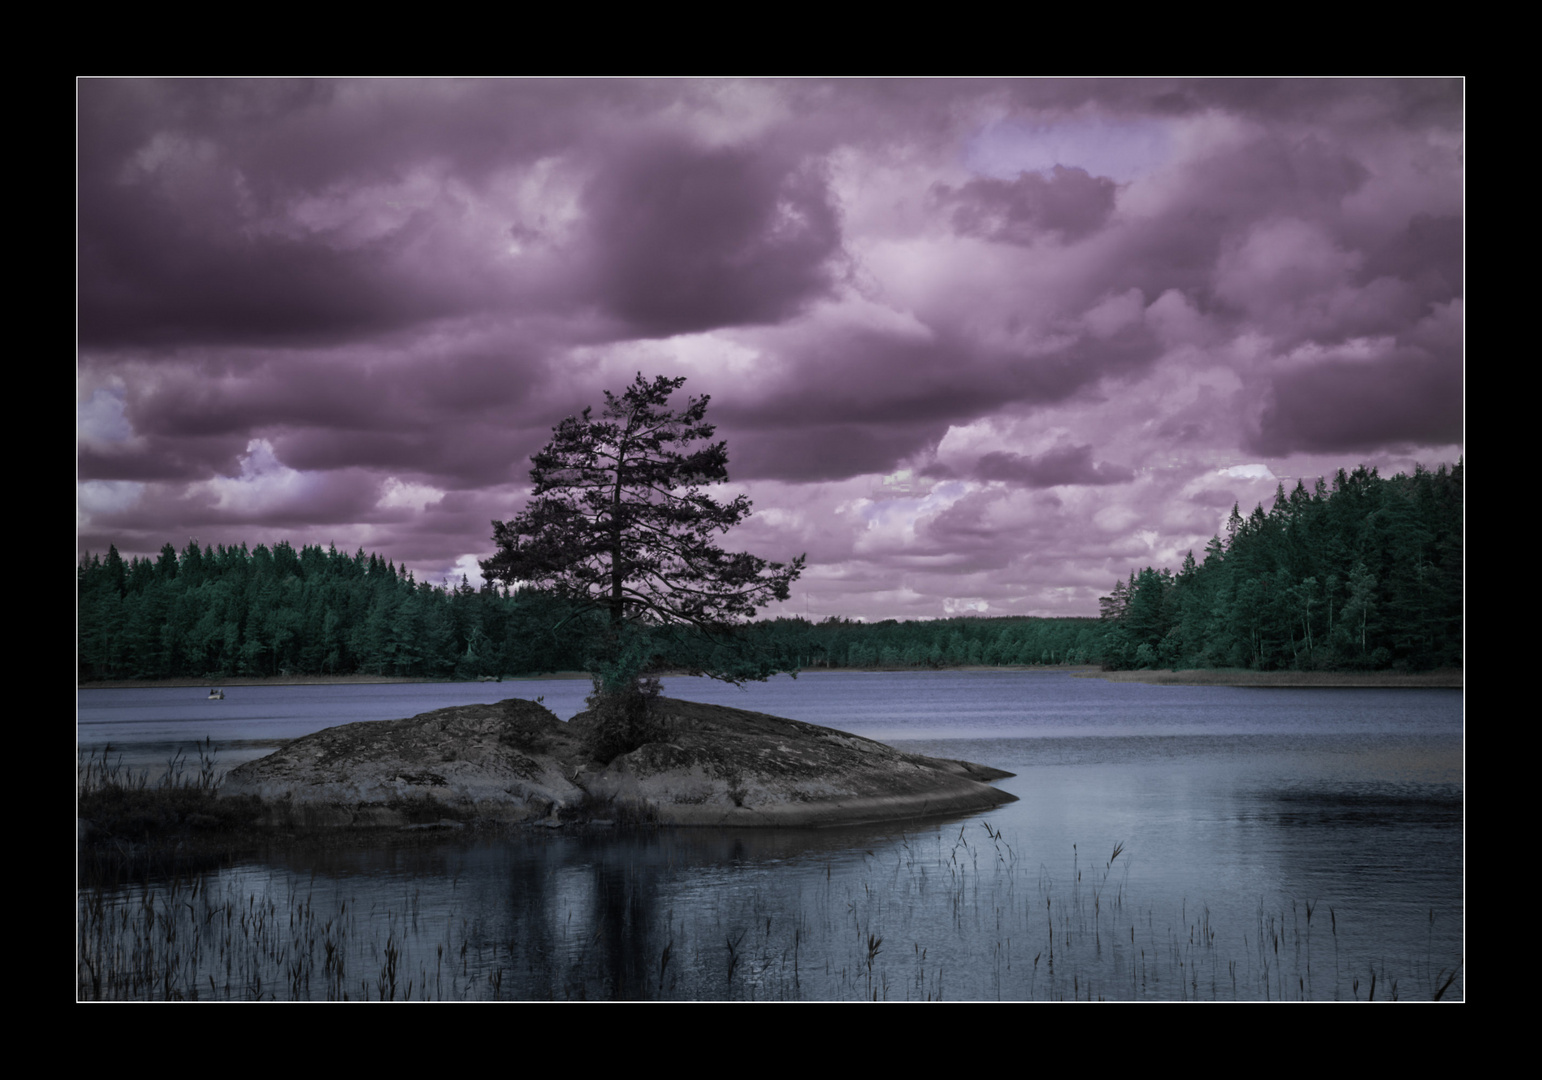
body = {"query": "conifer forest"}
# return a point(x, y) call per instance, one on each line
point(1359, 573)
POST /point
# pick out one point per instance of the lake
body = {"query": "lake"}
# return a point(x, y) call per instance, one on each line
point(1169, 843)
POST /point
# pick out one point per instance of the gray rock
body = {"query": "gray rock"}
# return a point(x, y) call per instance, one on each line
point(516, 762)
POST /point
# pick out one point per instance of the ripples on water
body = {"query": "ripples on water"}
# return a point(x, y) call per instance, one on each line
point(1238, 810)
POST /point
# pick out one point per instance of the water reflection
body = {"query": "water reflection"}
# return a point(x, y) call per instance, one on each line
point(1286, 844)
point(939, 911)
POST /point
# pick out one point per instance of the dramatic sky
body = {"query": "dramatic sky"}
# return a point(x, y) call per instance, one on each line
point(975, 346)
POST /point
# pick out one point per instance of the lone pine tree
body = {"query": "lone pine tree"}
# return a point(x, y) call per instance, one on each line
point(620, 526)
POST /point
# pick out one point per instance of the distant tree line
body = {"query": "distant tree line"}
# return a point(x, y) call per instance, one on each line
point(1365, 576)
point(215, 612)
point(210, 612)
point(970, 641)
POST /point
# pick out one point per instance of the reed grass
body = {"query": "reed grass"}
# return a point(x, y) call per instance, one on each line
point(133, 822)
point(981, 923)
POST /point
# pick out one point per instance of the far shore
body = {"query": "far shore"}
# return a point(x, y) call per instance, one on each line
point(305, 680)
point(1445, 679)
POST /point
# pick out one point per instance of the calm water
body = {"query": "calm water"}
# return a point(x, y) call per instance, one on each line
point(1234, 811)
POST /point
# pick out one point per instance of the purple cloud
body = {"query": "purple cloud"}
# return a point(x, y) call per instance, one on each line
point(970, 342)
point(1063, 465)
point(685, 239)
point(1407, 397)
point(1068, 203)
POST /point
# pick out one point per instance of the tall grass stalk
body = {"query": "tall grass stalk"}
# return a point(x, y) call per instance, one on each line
point(250, 933)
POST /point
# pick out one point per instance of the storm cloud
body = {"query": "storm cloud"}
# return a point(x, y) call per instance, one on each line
point(686, 239)
point(1065, 465)
point(980, 345)
point(1067, 204)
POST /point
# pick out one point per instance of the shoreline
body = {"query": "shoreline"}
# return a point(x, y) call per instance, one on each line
point(1370, 680)
point(1384, 680)
point(309, 680)
point(366, 680)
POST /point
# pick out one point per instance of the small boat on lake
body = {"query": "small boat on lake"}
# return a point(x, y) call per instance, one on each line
point(216, 694)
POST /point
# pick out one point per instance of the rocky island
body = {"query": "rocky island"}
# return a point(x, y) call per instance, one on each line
point(515, 761)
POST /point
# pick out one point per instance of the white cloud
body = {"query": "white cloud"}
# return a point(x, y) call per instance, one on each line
point(903, 482)
point(1115, 519)
point(1247, 472)
point(472, 569)
point(892, 522)
point(100, 418)
point(399, 495)
point(105, 497)
point(264, 483)
point(959, 605)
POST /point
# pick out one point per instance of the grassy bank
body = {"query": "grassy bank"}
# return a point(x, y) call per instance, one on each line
point(128, 827)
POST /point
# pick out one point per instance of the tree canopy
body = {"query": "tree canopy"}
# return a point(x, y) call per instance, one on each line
point(276, 610)
point(1367, 576)
point(620, 524)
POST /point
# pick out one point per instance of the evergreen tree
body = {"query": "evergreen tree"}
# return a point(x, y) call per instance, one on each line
point(618, 523)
